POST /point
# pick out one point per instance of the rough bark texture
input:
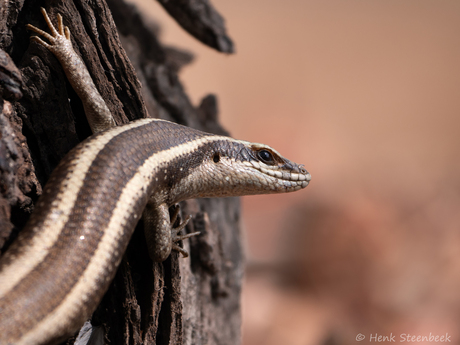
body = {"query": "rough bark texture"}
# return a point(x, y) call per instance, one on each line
point(180, 301)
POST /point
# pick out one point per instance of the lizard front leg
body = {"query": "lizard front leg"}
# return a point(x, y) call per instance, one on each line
point(160, 233)
point(97, 112)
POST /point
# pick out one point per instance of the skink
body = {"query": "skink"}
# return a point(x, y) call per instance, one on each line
point(56, 272)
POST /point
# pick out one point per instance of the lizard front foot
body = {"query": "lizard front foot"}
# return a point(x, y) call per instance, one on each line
point(175, 237)
point(59, 39)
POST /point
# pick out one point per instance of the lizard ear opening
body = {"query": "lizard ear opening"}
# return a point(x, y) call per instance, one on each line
point(216, 157)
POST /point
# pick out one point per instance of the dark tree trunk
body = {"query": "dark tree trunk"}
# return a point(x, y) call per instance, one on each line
point(180, 301)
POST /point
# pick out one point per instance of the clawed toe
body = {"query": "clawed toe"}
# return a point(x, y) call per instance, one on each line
point(61, 32)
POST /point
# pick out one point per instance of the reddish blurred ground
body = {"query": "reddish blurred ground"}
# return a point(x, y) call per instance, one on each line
point(367, 95)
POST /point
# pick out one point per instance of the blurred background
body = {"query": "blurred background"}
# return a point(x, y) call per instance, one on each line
point(366, 94)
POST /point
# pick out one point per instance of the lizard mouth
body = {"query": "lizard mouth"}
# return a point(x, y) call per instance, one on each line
point(298, 173)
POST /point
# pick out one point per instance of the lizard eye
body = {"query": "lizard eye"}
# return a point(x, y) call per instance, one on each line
point(266, 157)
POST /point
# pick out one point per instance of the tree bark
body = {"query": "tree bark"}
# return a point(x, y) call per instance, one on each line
point(180, 301)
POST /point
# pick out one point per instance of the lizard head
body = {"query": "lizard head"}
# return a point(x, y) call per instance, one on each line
point(231, 167)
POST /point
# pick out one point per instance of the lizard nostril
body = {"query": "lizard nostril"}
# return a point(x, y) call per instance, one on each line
point(303, 170)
